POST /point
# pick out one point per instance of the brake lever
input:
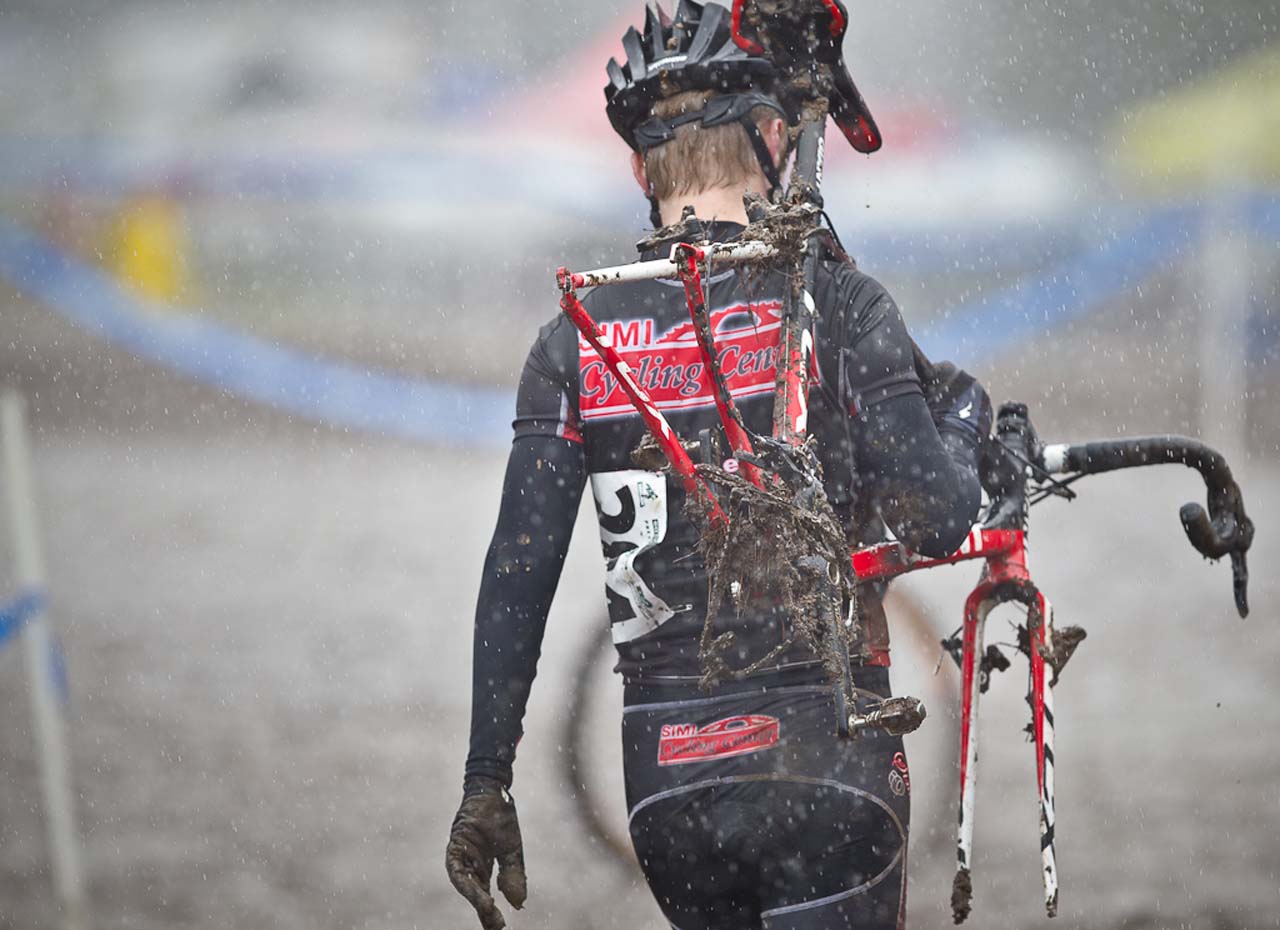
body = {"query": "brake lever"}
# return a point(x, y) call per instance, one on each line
point(1229, 533)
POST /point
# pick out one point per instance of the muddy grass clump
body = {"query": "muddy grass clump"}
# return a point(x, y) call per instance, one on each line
point(961, 895)
point(780, 548)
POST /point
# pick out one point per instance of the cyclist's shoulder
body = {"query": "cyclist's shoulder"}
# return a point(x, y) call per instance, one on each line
point(557, 329)
point(846, 282)
point(555, 349)
point(557, 336)
point(856, 296)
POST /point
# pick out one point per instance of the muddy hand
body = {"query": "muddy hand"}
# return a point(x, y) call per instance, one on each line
point(484, 831)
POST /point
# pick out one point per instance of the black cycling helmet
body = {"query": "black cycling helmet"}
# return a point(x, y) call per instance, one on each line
point(694, 51)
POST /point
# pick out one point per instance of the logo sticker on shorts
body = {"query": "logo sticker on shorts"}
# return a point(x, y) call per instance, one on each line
point(679, 743)
point(899, 777)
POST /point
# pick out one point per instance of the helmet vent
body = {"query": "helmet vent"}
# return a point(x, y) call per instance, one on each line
point(692, 50)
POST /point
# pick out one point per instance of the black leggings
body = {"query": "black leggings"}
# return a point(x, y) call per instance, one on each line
point(747, 811)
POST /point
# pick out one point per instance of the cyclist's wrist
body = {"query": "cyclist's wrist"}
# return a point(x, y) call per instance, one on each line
point(487, 771)
point(482, 784)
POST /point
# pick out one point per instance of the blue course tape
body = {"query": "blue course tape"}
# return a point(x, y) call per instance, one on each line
point(1262, 216)
point(348, 396)
point(15, 614)
point(334, 392)
point(992, 324)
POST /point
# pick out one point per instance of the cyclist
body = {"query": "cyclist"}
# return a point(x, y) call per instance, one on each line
point(745, 808)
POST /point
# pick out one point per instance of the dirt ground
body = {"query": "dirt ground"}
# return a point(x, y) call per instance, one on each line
point(267, 633)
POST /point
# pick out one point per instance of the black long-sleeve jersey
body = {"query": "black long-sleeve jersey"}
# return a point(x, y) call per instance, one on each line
point(882, 458)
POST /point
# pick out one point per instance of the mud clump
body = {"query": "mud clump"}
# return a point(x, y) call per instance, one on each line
point(686, 229)
point(787, 227)
point(961, 895)
point(779, 549)
point(649, 455)
point(1064, 644)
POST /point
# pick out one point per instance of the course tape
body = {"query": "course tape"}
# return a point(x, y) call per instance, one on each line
point(992, 324)
point(15, 614)
point(351, 397)
point(334, 392)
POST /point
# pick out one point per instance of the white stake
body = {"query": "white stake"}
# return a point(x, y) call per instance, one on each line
point(46, 711)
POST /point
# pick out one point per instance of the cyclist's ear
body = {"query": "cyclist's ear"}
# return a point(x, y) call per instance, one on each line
point(775, 136)
point(640, 173)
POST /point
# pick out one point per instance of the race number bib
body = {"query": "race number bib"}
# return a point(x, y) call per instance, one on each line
point(632, 509)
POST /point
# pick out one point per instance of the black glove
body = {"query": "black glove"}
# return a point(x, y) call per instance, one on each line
point(486, 829)
point(958, 403)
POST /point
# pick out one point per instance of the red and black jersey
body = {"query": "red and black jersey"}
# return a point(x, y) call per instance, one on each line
point(655, 581)
point(883, 459)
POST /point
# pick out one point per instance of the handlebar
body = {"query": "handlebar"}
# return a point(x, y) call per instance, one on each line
point(1224, 530)
point(1017, 456)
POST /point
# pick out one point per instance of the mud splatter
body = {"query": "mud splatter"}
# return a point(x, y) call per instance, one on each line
point(961, 895)
point(787, 227)
point(649, 455)
point(779, 548)
point(1064, 645)
point(686, 229)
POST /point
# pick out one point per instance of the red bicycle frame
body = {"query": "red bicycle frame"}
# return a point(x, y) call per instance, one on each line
point(1005, 578)
point(1000, 541)
point(689, 258)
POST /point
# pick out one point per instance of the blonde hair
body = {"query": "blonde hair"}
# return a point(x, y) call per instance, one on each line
point(700, 158)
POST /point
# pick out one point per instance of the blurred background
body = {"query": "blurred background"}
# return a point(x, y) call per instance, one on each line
point(267, 275)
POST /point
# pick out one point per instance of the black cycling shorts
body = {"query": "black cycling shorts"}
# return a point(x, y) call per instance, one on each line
point(746, 810)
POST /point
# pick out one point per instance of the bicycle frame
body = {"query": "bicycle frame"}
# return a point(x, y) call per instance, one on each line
point(1002, 545)
point(1000, 541)
point(1005, 579)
